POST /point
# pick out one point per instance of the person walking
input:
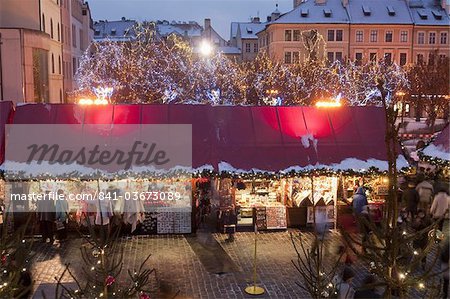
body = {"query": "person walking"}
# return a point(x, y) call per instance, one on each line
point(425, 190)
point(46, 215)
point(346, 290)
point(62, 210)
point(440, 207)
point(411, 198)
point(359, 201)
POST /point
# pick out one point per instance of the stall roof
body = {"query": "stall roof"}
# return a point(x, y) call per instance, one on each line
point(244, 138)
point(6, 110)
point(440, 147)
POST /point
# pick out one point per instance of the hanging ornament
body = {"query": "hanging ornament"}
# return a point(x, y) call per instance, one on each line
point(144, 295)
point(4, 258)
point(96, 252)
point(110, 280)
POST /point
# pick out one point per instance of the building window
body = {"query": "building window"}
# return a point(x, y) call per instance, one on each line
point(43, 22)
point(59, 64)
point(402, 59)
point(247, 47)
point(267, 40)
point(288, 35)
point(296, 35)
point(330, 56)
point(339, 56)
point(339, 35)
point(62, 33)
point(419, 58)
point(358, 58)
point(59, 33)
point(404, 36)
point(432, 38)
point(81, 40)
point(255, 47)
point(74, 66)
point(388, 58)
point(443, 38)
point(388, 38)
point(373, 36)
point(53, 64)
point(421, 38)
point(331, 35)
point(295, 57)
point(359, 36)
point(40, 75)
point(74, 37)
point(51, 28)
point(288, 57)
point(373, 56)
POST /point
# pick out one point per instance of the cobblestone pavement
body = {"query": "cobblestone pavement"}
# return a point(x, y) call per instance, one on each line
point(179, 269)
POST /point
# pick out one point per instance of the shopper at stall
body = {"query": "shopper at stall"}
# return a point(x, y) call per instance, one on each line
point(346, 290)
point(411, 199)
point(425, 190)
point(440, 206)
point(359, 201)
point(62, 212)
point(46, 215)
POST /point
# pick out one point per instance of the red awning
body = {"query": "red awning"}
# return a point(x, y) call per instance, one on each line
point(6, 111)
point(263, 138)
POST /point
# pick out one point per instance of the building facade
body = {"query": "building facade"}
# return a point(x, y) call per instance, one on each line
point(398, 31)
point(35, 42)
point(243, 36)
point(77, 35)
point(31, 42)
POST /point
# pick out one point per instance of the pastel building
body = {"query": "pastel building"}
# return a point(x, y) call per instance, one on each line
point(33, 47)
point(401, 31)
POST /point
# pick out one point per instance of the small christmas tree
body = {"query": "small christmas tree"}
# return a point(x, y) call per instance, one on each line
point(317, 270)
point(15, 277)
point(102, 269)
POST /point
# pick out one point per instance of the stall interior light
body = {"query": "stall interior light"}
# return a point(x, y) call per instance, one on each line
point(93, 102)
point(328, 104)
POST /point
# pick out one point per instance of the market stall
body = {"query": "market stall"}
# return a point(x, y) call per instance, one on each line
point(437, 153)
point(275, 166)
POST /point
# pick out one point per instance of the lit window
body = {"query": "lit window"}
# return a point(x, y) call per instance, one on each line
point(359, 36)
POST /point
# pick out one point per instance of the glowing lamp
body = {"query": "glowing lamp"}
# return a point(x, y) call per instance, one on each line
point(85, 102)
point(328, 104)
point(205, 48)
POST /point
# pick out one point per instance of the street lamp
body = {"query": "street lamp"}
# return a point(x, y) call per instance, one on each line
point(205, 48)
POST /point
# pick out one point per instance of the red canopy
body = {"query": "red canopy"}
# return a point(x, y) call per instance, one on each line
point(264, 138)
point(6, 111)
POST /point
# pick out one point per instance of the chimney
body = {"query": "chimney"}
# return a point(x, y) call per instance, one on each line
point(256, 20)
point(207, 23)
point(345, 3)
point(297, 3)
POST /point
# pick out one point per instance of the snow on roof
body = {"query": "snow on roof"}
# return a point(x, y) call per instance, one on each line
point(379, 12)
point(249, 30)
point(115, 30)
point(310, 12)
point(229, 50)
point(346, 164)
point(428, 12)
point(440, 147)
point(190, 29)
